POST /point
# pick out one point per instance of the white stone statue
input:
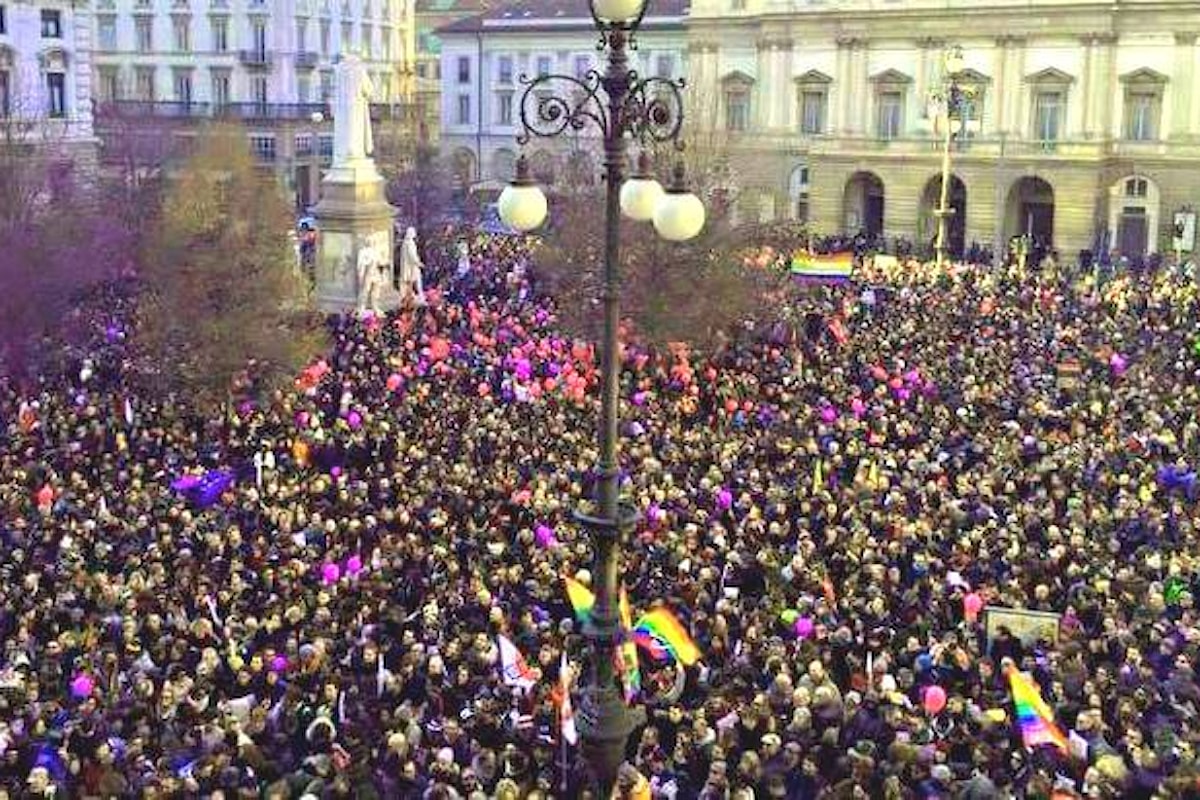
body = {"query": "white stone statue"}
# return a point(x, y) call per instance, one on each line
point(374, 275)
point(411, 281)
point(351, 111)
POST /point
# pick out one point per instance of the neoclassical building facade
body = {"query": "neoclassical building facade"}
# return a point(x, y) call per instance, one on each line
point(1085, 115)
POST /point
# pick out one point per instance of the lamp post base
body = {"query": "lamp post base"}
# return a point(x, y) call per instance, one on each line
point(605, 723)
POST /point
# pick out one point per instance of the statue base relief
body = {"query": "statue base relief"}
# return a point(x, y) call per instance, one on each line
point(356, 231)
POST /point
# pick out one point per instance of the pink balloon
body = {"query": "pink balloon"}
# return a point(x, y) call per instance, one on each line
point(934, 700)
point(903, 394)
point(82, 686)
point(804, 627)
point(829, 415)
point(1118, 364)
point(354, 419)
point(354, 565)
point(393, 382)
point(279, 663)
point(302, 419)
point(331, 572)
point(972, 605)
point(858, 407)
point(639, 399)
point(335, 471)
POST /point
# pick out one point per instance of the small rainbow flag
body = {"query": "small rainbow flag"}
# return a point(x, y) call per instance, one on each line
point(1033, 715)
point(582, 599)
point(627, 657)
point(832, 267)
point(664, 626)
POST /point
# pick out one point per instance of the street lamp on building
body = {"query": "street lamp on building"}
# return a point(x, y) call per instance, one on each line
point(620, 105)
point(953, 102)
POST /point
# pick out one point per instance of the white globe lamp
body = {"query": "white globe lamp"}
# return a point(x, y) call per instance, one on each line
point(522, 204)
point(680, 214)
point(641, 194)
point(616, 12)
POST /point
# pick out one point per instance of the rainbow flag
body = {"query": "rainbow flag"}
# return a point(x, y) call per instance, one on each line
point(1033, 715)
point(664, 626)
point(626, 655)
point(832, 267)
point(582, 599)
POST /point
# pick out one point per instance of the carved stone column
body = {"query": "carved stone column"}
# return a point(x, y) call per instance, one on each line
point(1105, 93)
point(1001, 87)
point(1181, 88)
point(1086, 84)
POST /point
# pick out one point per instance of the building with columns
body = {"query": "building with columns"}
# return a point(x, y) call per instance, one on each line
point(1086, 118)
point(162, 67)
point(483, 58)
point(45, 78)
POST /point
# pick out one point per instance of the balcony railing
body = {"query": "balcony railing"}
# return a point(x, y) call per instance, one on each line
point(160, 109)
point(307, 60)
point(255, 58)
point(132, 109)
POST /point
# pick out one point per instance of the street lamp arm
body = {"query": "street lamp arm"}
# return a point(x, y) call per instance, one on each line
point(552, 104)
point(654, 110)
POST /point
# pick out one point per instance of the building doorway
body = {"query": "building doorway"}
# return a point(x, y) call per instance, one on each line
point(863, 204)
point(1030, 211)
point(1133, 216)
point(956, 224)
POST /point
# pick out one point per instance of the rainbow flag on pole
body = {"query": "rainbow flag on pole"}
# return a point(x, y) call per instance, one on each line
point(582, 599)
point(815, 267)
point(626, 655)
point(1033, 715)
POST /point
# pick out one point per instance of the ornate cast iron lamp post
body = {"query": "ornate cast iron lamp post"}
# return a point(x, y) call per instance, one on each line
point(618, 104)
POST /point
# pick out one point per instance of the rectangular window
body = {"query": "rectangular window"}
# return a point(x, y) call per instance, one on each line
point(325, 145)
point(324, 37)
point(303, 88)
point(220, 34)
point(891, 112)
point(258, 40)
point(504, 108)
point(504, 71)
point(51, 23)
point(582, 65)
point(5, 93)
point(3, 19)
point(464, 109)
point(263, 147)
point(304, 144)
point(347, 34)
point(1141, 112)
point(258, 90)
point(385, 41)
point(144, 79)
point(326, 86)
point(543, 66)
point(664, 65)
point(56, 94)
point(110, 86)
point(106, 32)
point(367, 40)
point(183, 34)
point(812, 113)
point(144, 26)
point(183, 86)
point(737, 110)
point(220, 88)
point(1047, 116)
point(301, 35)
point(464, 69)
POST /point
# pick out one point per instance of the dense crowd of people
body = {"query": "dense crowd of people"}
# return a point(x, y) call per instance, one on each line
point(825, 513)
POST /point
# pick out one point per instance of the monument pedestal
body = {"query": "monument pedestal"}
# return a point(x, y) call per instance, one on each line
point(355, 221)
